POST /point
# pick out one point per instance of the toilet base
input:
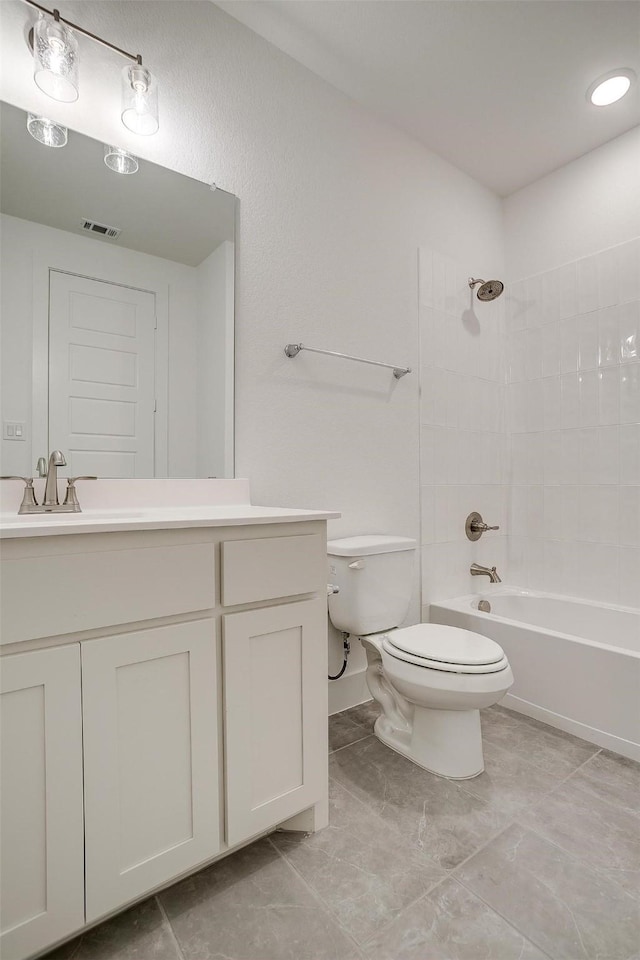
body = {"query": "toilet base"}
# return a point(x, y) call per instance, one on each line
point(447, 743)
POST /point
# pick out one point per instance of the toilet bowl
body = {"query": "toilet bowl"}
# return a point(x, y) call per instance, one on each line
point(431, 680)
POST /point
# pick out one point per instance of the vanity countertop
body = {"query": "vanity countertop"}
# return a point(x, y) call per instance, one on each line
point(154, 518)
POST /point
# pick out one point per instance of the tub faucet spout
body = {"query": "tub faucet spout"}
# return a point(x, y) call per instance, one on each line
point(477, 571)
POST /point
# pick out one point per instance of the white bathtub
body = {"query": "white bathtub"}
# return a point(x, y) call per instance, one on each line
point(576, 664)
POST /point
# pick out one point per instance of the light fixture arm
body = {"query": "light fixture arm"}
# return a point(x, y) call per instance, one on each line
point(135, 57)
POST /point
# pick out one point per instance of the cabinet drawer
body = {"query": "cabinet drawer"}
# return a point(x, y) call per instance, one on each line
point(255, 570)
point(94, 590)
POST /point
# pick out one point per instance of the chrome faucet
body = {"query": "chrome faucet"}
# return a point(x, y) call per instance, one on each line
point(51, 503)
point(56, 460)
point(477, 571)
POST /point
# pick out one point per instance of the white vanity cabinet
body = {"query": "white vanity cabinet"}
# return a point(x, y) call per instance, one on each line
point(163, 702)
point(41, 830)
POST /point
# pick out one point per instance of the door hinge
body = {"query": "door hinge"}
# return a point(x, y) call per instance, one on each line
point(155, 406)
point(155, 323)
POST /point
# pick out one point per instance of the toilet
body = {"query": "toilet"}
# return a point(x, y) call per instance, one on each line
point(430, 680)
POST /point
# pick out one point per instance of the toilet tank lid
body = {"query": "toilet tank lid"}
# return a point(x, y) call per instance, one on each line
point(369, 545)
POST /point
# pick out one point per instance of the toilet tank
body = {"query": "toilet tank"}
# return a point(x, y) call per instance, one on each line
point(374, 575)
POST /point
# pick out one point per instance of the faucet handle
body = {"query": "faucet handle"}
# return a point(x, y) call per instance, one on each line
point(71, 499)
point(41, 467)
point(475, 526)
point(29, 503)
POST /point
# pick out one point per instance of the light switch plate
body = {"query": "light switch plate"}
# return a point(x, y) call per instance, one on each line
point(14, 430)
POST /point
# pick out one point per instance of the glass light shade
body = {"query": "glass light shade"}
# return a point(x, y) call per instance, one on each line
point(119, 160)
point(55, 59)
point(46, 131)
point(139, 100)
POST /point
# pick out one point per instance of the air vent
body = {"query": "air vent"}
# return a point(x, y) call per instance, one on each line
point(102, 228)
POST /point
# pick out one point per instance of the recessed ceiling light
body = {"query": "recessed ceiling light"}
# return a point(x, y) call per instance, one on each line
point(610, 87)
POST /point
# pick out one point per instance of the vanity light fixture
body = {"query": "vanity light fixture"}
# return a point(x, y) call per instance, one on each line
point(611, 87)
point(45, 131)
point(55, 59)
point(119, 160)
point(55, 53)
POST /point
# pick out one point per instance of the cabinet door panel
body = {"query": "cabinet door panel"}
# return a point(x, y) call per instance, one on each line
point(151, 759)
point(41, 834)
point(275, 714)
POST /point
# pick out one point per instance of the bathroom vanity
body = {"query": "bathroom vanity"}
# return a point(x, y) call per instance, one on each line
point(164, 700)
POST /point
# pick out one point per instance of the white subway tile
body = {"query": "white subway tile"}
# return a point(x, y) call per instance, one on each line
point(630, 453)
point(629, 270)
point(571, 513)
point(589, 386)
point(629, 327)
point(630, 393)
point(552, 512)
point(569, 344)
point(566, 284)
point(551, 400)
point(552, 446)
point(550, 349)
point(425, 276)
point(609, 352)
point(588, 341)
point(630, 516)
point(629, 576)
point(569, 457)
point(535, 405)
point(608, 293)
point(570, 401)
point(587, 285)
point(427, 513)
point(609, 395)
point(608, 467)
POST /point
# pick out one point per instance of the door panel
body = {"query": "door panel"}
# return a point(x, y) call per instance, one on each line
point(41, 830)
point(275, 714)
point(151, 759)
point(101, 376)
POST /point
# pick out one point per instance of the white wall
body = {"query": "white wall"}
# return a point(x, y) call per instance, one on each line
point(573, 322)
point(28, 250)
point(215, 363)
point(585, 206)
point(334, 204)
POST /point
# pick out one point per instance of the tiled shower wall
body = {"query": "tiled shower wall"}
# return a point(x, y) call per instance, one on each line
point(462, 427)
point(573, 350)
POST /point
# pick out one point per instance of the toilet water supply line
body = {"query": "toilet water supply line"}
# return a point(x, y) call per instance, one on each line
point(346, 646)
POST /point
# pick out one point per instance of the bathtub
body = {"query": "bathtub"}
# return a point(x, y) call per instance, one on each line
point(576, 664)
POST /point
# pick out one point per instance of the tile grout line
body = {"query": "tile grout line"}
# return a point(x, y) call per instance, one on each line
point(502, 917)
point(167, 922)
point(314, 893)
point(353, 742)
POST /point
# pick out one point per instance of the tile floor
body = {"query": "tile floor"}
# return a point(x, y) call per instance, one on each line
point(539, 857)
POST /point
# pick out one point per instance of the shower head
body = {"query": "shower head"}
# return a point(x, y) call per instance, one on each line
point(489, 289)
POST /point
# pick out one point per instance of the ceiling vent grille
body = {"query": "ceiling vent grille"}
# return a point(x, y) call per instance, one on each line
point(101, 228)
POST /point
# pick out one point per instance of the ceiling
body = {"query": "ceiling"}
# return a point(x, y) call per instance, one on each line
point(497, 87)
point(160, 212)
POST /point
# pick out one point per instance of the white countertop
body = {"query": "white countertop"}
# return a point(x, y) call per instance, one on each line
point(154, 518)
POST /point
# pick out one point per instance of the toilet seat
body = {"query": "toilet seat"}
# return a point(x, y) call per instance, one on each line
point(450, 649)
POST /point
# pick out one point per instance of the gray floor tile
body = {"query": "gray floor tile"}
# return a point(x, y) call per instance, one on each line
point(570, 911)
point(450, 923)
point(365, 714)
point(604, 836)
point(343, 731)
point(359, 866)
point(557, 752)
point(509, 782)
point(252, 906)
point(613, 778)
point(140, 933)
point(434, 815)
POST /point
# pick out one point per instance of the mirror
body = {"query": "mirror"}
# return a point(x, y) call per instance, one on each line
point(117, 313)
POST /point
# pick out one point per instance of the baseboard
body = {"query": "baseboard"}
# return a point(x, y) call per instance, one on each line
point(599, 737)
point(348, 691)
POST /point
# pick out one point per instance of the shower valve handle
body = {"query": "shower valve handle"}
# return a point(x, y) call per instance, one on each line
point(475, 526)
